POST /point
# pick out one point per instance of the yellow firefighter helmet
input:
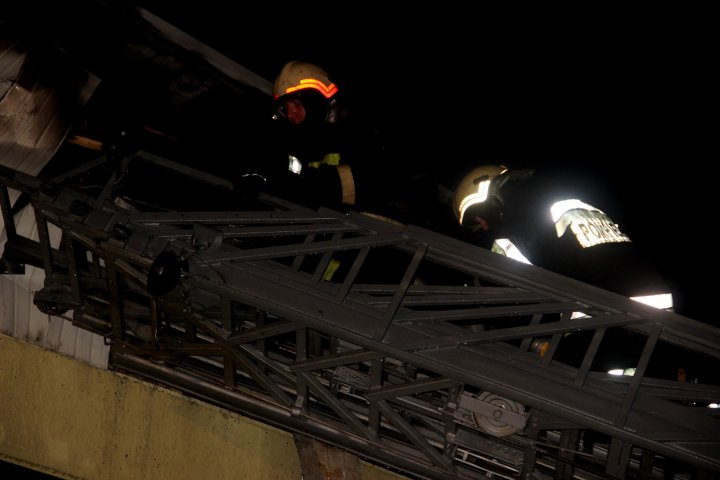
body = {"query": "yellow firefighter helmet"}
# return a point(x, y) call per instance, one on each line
point(297, 76)
point(474, 189)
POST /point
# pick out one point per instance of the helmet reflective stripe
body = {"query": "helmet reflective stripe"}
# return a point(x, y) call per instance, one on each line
point(296, 76)
point(662, 301)
point(504, 246)
point(474, 188)
point(474, 198)
point(327, 90)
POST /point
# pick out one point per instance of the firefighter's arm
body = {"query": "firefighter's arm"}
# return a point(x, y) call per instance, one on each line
point(329, 185)
point(344, 176)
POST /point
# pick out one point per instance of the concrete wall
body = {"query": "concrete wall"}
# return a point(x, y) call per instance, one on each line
point(68, 418)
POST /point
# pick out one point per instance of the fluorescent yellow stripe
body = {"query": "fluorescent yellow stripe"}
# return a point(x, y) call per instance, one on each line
point(331, 269)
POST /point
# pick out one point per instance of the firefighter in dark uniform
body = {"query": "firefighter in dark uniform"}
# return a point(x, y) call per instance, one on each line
point(526, 215)
point(324, 155)
point(331, 157)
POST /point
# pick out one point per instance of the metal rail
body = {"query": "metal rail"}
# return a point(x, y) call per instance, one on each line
point(418, 352)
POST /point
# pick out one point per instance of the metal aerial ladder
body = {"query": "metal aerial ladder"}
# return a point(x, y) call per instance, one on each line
point(404, 346)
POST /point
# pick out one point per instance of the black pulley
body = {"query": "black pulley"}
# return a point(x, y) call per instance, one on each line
point(164, 274)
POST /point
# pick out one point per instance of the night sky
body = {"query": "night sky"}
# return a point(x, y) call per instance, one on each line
point(620, 101)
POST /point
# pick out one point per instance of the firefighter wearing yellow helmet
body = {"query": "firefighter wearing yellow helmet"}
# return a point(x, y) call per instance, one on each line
point(297, 76)
point(303, 92)
point(546, 219)
point(329, 152)
point(537, 218)
point(474, 191)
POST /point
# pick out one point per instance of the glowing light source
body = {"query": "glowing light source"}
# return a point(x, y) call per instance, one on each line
point(294, 164)
point(327, 90)
point(662, 301)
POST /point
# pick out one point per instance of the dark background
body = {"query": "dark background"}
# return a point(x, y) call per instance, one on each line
point(621, 101)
